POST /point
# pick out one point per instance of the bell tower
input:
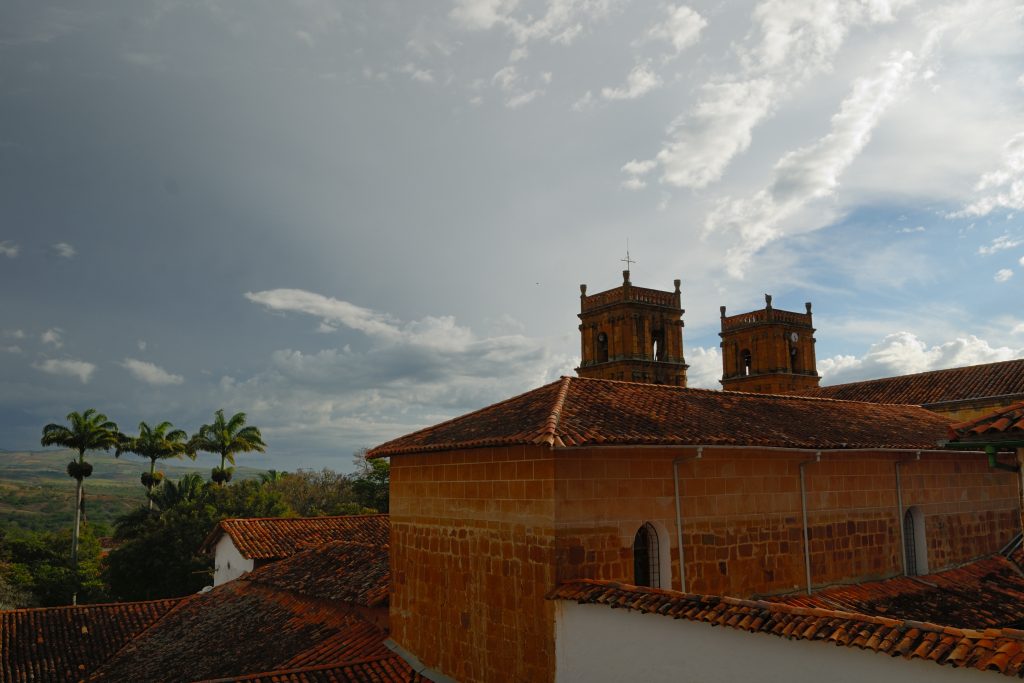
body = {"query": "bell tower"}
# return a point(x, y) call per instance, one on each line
point(770, 351)
point(632, 334)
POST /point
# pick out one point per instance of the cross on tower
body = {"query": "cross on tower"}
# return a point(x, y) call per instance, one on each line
point(627, 260)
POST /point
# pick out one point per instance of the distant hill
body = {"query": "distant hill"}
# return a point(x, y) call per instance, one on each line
point(36, 492)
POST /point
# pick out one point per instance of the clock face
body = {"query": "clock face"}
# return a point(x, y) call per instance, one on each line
point(794, 337)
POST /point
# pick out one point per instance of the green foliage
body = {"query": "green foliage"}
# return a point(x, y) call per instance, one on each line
point(371, 482)
point(312, 493)
point(159, 556)
point(89, 431)
point(36, 569)
point(155, 443)
point(226, 438)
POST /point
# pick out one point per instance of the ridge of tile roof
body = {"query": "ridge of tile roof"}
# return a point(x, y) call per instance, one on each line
point(70, 642)
point(383, 669)
point(1005, 423)
point(357, 573)
point(1003, 378)
point(576, 411)
point(981, 594)
point(1000, 650)
point(272, 538)
point(263, 627)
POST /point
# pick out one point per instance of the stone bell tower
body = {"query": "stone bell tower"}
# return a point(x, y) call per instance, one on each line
point(633, 334)
point(770, 351)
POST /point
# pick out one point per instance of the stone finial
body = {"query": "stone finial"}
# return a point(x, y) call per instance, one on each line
point(768, 301)
point(721, 311)
point(677, 283)
point(583, 290)
point(807, 305)
point(625, 277)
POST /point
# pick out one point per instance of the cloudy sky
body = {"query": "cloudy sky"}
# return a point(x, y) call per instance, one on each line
point(353, 219)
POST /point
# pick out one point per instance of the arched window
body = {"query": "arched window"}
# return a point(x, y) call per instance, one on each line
point(602, 347)
point(746, 360)
point(658, 344)
point(646, 558)
point(794, 359)
point(915, 546)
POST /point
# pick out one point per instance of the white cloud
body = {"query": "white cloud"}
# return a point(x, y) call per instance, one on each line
point(13, 348)
point(331, 311)
point(8, 249)
point(416, 373)
point(64, 250)
point(682, 27)
point(798, 39)
point(561, 22)
point(640, 81)
point(512, 83)
point(1003, 274)
point(585, 102)
point(141, 344)
point(636, 170)
point(67, 367)
point(15, 334)
point(150, 373)
point(53, 337)
point(810, 173)
point(1000, 243)
point(417, 73)
point(904, 353)
point(1021, 261)
point(705, 368)
point(1002, 188)
point(905, 231)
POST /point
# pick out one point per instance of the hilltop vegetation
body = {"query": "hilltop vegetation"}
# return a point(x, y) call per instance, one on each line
point(156, 551)
point(35, 495)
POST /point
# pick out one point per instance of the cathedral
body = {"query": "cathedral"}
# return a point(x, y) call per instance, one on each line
point(600, 488)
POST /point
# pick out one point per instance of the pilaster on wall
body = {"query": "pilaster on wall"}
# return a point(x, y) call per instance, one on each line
point(472, 553)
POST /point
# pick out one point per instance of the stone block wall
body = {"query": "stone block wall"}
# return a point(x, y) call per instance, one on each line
point(472, 555)
point(743, 527)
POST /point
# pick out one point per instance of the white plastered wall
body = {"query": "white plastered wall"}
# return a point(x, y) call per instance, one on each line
point(597, 643)
point(228, 563)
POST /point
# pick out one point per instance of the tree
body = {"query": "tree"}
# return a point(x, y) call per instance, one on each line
point(226, 438)
point(371, 482)
point(36, 569)
point(88, 431)
point(156, 443)
point(159, 553)
point(312, 493)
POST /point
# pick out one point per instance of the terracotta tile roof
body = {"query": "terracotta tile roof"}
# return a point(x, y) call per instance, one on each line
point(386, 669)
point(271, 538)
point(982, 594)
point(990, 649)
point(350, 572)
point(260, 627)
point(938, 386)
point(68, 643)
point(1005, 424)
point(581, 412)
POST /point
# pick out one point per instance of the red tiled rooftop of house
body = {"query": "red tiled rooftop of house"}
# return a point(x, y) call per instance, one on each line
point(271, 538)
point(69, 643)
point(937, 386)
point(350, 572)
point(262, 629)
point(385, 669)
point(990, 649)
point(583, 412)
point(982, 594)
point(1003, 424)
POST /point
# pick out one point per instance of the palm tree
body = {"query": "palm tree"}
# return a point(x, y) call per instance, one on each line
point(88, 431)
point(226, 437)
point(186, 490)
point(155, 443)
